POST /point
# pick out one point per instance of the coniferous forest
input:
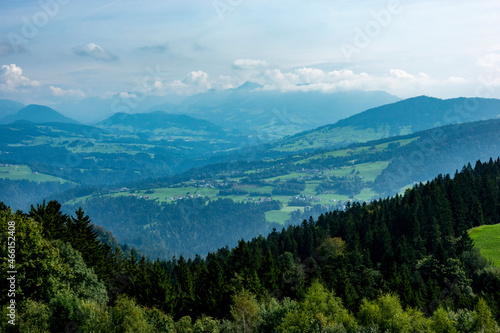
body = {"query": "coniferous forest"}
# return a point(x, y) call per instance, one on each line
point(400, 264)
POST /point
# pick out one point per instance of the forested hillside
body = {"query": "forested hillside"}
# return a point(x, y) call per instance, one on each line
point(194, 225)
point(404, 117)
point(401, 264)
point(213, 206)
point(97, 156)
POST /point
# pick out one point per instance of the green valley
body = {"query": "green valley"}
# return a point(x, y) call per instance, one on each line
point(287, 189)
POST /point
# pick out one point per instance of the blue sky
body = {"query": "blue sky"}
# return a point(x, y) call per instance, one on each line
point(62, 50)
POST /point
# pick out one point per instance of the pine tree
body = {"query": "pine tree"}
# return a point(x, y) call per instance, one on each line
point(53, 221)
point(184, 288)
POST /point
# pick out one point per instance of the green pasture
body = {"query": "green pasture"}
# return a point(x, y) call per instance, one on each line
point(24, 172)
point(487, 239)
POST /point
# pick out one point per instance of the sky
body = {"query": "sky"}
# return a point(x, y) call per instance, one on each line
point(54, 51)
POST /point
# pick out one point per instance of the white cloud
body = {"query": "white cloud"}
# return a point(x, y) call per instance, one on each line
point(59, 92)
point(198, 78)
point(94, 51)
point(401, 74)
point(395, 81)
point(490, 60)
point(12, 79)
point(195, 82)
point(249, 64)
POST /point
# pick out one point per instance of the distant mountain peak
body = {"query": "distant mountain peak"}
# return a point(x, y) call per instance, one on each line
point(37, 114)
point(248, 85)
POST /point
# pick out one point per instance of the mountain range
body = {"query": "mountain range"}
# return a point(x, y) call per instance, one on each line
point(151, 162)
point(399, 118)
point(271, 115)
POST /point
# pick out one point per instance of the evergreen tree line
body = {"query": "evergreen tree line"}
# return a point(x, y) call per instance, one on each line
point(401, 264)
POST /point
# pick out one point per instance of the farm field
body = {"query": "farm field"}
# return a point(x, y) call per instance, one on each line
point(23, 172)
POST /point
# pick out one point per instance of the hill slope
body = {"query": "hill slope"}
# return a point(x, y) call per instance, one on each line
point(8, 107)
point(487, 239)
point(401, 264)
point(37, 114)
point(291, 188)
point(400, 118)
point(159, 123)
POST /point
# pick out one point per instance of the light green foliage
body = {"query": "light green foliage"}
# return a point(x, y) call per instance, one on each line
point(337, 135)
point(332, 248)
point(38, 262)
point(128, 317)
point(272, 312)
point(35, 318)
point(485, 323)
point(82, 280)
point(160, 321)
point(441, 322)
point(245, 311)
point(464, 319)
point(387, 314)
point(206, 325)
point(319, 312)
point(184, 325)
point(93, 317)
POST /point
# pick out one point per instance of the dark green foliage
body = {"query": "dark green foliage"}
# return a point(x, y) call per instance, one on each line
point(78, 230)
point(349, 185)
point(389, 262)
point(289, 187)
point(188, 226)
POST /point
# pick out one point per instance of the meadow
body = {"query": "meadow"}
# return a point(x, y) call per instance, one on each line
point(487, 240)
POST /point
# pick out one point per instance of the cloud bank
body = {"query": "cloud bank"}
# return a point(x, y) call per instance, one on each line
point(12, 79)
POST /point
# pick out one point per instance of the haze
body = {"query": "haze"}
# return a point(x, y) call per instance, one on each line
point(64, 51)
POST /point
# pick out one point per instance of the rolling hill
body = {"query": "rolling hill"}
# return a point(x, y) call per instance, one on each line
point(145, 147)
point(159, 123)
point(400, 118)
point(37, 114)
point(286, 190)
